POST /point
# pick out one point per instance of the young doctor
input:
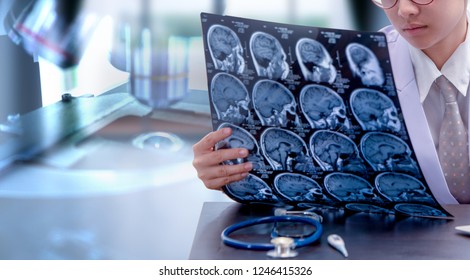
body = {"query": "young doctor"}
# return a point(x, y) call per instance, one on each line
point(428, 40)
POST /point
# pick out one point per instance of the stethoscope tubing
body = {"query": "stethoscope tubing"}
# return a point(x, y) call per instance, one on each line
point(299, 242)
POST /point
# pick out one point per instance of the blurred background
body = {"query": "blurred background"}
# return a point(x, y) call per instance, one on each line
point(100, 104)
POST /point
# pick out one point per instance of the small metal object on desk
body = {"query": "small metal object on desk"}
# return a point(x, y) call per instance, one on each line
point(337, 242)
point(283, 248)
point(463, 229)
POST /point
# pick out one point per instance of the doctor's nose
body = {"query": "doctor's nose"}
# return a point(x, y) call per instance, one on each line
point(407, 8)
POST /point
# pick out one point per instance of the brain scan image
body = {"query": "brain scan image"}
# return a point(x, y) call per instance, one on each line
point(269, 57)
point(368, 208)
point(364, 64)
point(300, 188)
point(334, 151)
point(374, 110)
point(418, 210)
point(385, 152)
point(230, 99)
point(315, 62)
point(350, 188)
point(252, 188)
point(399, 187)
point(240, 138)
point(285, 150)
point(225, 49)
point(323, 108)
point(274, 104)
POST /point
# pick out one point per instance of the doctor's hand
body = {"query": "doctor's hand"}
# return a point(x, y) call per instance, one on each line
point(208, 162)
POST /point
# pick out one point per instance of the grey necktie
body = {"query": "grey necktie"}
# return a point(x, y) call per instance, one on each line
point(453, 144)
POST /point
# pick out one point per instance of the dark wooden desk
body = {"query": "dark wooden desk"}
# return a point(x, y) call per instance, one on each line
point(367, 236)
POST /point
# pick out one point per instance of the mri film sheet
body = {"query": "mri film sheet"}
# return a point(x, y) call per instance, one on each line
point(318, 110)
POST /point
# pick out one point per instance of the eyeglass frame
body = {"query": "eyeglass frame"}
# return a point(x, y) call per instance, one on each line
point(396, 1)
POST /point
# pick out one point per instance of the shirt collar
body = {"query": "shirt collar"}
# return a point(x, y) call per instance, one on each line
point(456, 69)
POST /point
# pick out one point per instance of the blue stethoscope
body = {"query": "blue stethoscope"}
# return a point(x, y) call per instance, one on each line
point(297, 242)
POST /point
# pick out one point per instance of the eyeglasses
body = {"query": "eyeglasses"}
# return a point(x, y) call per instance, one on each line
point(388, 4)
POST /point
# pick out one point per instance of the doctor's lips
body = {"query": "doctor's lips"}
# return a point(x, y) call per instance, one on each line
point(414, 28)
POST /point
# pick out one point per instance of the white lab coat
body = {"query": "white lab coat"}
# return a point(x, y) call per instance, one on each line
point(414, 116)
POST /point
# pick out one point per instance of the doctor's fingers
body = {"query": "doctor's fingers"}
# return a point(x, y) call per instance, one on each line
point(215, 178)
point(207, 143)
point(215, 158)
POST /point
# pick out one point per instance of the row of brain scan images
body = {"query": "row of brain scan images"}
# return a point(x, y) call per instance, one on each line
point(270, 59)
point(323, 108)
point(404, 192)
point(327, 151)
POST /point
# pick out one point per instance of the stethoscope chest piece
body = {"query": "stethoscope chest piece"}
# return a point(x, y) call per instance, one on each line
point(283, 248)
